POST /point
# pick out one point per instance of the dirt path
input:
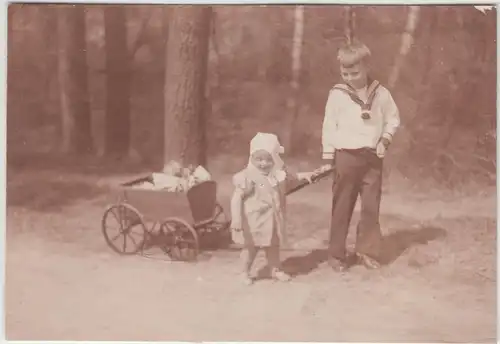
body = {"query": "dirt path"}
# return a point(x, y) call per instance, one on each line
point(63, 283)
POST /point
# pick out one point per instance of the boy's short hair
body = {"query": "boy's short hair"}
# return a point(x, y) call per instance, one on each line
point(352, 54)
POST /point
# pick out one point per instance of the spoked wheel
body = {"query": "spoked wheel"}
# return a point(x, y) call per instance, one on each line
point(123, 229)
point(179, 239)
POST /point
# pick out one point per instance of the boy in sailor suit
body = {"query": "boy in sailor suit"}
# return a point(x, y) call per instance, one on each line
point(360, 120)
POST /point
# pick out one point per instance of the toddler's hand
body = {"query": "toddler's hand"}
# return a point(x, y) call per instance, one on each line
point(325, 168)
point(306, 176)
point(236, 225)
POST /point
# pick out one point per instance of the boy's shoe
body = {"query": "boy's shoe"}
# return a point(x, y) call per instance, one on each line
point(342, 265)
point(339, 265)
point(280, 275)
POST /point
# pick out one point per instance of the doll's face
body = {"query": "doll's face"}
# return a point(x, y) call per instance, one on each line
point(263, 161)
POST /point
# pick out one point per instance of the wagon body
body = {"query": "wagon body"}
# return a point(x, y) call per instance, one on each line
point(155, 205)
point(197, 205)
point(176, 217)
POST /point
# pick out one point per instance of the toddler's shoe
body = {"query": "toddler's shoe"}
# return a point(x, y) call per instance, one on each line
point(246, 279)
point(280, 275)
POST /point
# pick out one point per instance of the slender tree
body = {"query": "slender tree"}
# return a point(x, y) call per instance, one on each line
point(349, 25)
point(431, 15)
point(407, 39)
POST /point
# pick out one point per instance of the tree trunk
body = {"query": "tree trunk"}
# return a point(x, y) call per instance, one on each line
point(292, 102)
point(406, 43)
point(214, 48)
point(73, 83)
point(164, 48)
point(49, 65)
point(349, 24)
point(11, 9)
point(185, 79)
point(118, 121)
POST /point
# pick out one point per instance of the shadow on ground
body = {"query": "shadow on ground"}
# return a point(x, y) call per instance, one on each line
point(50, 195)
point(393, 246)
point(396, 243)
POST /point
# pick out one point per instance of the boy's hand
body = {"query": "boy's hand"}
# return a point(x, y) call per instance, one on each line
point(381, 148)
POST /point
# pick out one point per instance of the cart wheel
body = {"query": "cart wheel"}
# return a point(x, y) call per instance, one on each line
point(220, 216)
point(222, 224)
point(123, 229)
point(180, 240)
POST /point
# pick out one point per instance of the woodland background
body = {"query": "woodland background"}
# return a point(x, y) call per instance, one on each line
point(89, 80)
point(98, 94)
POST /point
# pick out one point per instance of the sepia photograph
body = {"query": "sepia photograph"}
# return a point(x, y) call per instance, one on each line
point(251, 172)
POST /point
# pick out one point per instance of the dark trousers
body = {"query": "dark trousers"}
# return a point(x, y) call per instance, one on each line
point(358, 173)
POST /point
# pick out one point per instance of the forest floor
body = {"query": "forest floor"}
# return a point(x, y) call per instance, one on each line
point(64, 283)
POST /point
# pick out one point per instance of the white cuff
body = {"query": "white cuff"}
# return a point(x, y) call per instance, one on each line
point(387, 136)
